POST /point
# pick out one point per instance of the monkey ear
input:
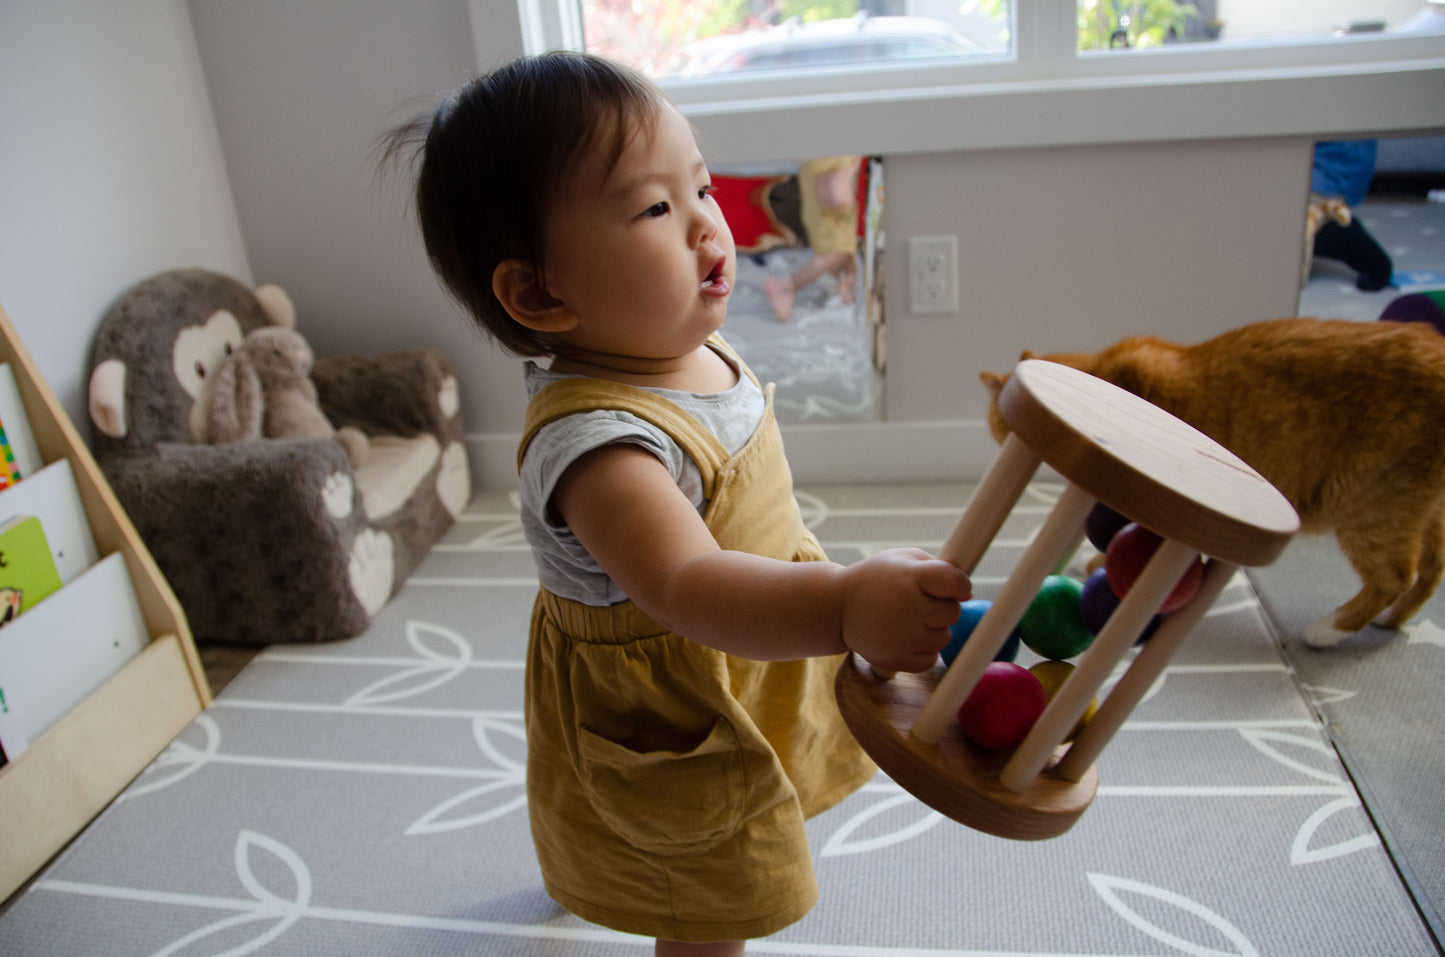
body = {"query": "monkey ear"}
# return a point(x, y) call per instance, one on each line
point(519, 289)
point(993, 382)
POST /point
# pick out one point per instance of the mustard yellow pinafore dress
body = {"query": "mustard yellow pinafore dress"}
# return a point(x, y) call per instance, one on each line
point(668, 782)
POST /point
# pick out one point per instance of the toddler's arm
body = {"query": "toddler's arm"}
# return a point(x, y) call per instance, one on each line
point(893, 608)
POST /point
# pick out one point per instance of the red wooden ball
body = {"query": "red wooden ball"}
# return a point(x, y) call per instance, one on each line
point(1003, 706)
point(1130, 550)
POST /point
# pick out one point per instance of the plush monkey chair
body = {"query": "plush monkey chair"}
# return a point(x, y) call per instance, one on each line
point(266, 539)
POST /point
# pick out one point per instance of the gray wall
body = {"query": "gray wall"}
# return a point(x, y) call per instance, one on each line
point(110, 169)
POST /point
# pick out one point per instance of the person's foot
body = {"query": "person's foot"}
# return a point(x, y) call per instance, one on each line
point(780, 294)
point(1355, 247)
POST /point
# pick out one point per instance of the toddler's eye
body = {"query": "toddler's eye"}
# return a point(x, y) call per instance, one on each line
point(655, 210)
point(706, 191)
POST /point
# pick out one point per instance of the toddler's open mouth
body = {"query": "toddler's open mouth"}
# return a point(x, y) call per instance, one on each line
point(716, 281)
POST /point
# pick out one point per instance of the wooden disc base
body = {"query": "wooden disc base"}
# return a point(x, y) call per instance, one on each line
point(954, 777)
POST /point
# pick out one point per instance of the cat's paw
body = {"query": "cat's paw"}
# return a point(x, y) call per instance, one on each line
point(1324, 634)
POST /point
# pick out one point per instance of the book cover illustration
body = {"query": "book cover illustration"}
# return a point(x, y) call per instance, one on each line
point(22, 457)
point(9, 471)
point(52, 495)
point(27, 568)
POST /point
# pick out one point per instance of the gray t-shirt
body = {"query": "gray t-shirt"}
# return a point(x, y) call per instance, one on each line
point(563, 566)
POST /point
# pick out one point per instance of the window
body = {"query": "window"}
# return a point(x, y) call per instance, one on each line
point(1141, 24)
point(1276, 67)
point(682, 38)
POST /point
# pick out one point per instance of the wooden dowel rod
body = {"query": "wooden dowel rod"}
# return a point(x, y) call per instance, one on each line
point(1062, 565)
point(1058, 532)
point(1070, 702)
point(989, 508)
point(1146, 669)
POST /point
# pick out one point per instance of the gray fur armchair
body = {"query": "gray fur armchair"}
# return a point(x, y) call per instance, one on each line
point(271, 540)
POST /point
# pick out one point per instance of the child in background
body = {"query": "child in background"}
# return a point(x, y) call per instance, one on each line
point(680, 719)
point(1343, 170)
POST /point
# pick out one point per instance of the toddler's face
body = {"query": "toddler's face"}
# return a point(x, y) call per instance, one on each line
point(641, 254)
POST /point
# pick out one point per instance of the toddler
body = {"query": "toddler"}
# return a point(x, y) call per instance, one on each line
point(680, 718)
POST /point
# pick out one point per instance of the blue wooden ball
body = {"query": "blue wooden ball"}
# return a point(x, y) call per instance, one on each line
point(970, 614)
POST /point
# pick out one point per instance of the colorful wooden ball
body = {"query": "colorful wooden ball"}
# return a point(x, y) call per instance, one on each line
point(1098, 602)
point(1053, 625)
point(1102, 525)
point(1052, 675)
point(1002, 707)
point(1128, 553)
point(970, 614)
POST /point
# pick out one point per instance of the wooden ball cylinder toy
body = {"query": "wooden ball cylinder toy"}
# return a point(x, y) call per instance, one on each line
point(1112, 448)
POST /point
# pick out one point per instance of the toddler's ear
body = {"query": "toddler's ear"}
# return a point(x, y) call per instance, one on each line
point(519, 289)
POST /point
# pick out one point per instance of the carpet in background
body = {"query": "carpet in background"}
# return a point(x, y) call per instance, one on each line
point(1382, 694)
point(367, 797)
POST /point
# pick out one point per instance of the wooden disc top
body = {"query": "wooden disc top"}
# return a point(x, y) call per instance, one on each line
point(1141, 461)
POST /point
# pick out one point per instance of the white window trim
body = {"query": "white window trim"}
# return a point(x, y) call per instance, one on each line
point(1048, 95)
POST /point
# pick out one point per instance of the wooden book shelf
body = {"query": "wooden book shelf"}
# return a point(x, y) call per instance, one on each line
point(71, 772)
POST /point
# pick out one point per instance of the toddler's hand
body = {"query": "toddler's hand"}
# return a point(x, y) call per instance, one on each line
point(898, 606)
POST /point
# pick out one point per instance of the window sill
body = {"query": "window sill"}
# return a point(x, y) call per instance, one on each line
point(1355, 97)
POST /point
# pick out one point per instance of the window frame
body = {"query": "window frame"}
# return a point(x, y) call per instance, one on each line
point(1048, 94)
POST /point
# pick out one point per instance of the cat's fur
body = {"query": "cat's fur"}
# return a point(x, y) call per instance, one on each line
point(1346, 419)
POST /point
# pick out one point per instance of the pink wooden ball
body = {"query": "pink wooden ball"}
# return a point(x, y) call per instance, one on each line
point(1002, 707)
point(1130, 550)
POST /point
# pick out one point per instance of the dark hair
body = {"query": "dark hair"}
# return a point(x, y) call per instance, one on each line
point(492, 158)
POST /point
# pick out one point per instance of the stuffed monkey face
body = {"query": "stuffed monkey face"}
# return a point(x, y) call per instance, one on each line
point(158, 344)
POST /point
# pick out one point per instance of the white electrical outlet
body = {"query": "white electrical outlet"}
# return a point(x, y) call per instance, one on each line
point(933, 275)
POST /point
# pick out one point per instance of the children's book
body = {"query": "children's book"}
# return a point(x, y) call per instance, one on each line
point(19, 456)
point(27, 568)
point(52, 495)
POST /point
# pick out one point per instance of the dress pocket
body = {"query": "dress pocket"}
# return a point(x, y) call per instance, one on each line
point(667, 802)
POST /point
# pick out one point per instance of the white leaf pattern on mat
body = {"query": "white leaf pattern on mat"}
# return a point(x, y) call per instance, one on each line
point(270, 906)
point(1264, 741)
point(1302, 853)
point(814, 509)
point(914, 819)
point(178, 761)
point(1109, 889)
point(1426, 633)
point(439, 666)
point(501, 537)
point(489, 801)
point(1321, 695)
point(492, 798)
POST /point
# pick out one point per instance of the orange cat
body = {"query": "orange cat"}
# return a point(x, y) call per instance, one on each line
point(1346, 419)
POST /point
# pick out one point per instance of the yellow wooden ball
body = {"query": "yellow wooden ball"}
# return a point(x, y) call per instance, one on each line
point(1052, 675)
